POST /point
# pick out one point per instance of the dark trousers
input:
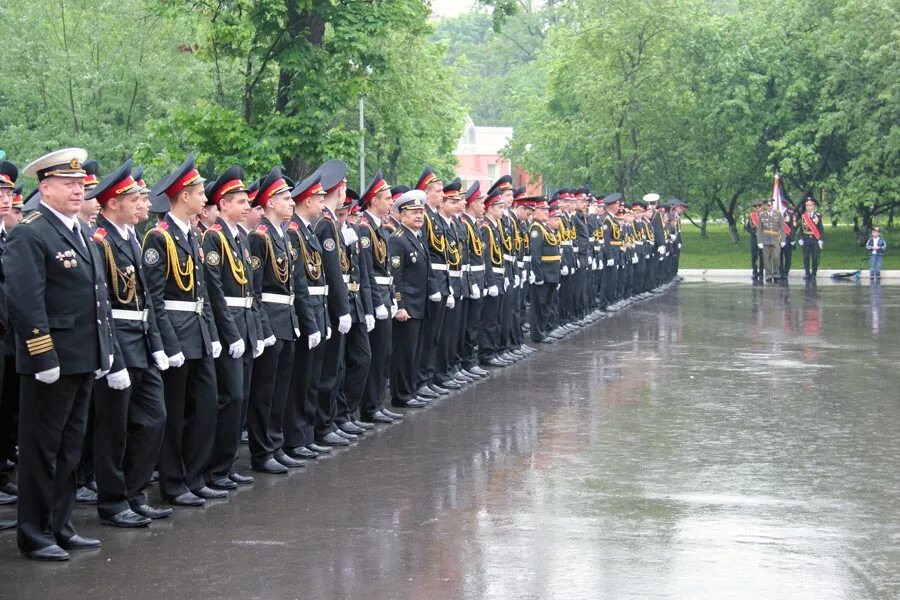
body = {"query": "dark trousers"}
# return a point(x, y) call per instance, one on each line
point(357, 360)
point(84, 473)
point(810, 255)
point(406, 351)
point(52, 420)
point(431, 332)
point(268, 396)
point(445, 359)
point(756, 261)
point(541, 295)
point(463, 307)
point(190, 394)
point(787, 257)
point(9, 412)
point(329, 383)
point(303, 395)
point(233, 376)
point(129, 426)
point(376, 380)
point(508, 307)
point(469, 353)
point(489, 330)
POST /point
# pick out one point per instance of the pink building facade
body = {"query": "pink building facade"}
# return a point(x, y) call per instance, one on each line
point(479, 158)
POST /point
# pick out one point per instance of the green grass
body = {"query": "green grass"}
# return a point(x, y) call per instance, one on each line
point(716, 251)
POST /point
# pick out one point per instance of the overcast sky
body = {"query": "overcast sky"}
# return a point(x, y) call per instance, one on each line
point(450, 8)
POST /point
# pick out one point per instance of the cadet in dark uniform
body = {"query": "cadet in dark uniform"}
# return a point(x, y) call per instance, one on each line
point(812, 236)
point(9, 389)
point(659, 239)
point(494, 279)
point(173, 262)
point(545, 266)
point(790, 232)
point(752, 229)
point(272, 262)
point(410, 268)
point(376, 204)
point(509, 297)
point(312, 312)
point(474, 274)
point(59, 309)
point(229, 276)
point(445, 356)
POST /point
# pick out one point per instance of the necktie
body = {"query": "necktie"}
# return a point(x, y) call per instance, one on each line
point(77, 231)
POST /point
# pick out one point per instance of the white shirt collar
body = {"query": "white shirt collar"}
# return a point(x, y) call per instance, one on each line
point(375, 219)
point(67, 221)
point(123, 231)
point(232, 228)
point(184, 227)
point(447, 220)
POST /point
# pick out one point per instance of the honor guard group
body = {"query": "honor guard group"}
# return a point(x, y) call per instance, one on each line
point(290, 316)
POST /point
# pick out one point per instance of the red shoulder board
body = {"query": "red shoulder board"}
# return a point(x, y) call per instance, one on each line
point(261, 228)
point(162, 225)
point(293, 226)
point(99, 235)
point(215, 227)
point(363, 221)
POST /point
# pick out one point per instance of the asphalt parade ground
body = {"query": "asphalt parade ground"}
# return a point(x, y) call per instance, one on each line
point(717, 441)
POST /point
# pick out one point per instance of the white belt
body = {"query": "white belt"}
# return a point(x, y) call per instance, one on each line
point(498, 270)
point(318, 290)
point(183, 306)
point(476, 268)
point(509, 257)
point(455, 273)
point(384, 280)
point(239, 302)
point(346, 278)
point(527, 258)
point(130, 315)
point(439, 267)
point(277, 298)
point(566, 243)
point(521, 263)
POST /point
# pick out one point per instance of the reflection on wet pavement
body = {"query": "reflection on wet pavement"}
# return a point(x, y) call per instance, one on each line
point(722, 441)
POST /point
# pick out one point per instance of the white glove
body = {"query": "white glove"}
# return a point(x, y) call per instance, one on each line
point(760, 246)
point(801, 242)
point(349, 235)
point(531, 277)
point(315, 339)
point(118, 380)
point(49, 376)
point(216, 349)
point(661, 250)
point(176, 361)
point(236, 350)
point(161, 360)
point(451, 302)
point(517, 281)
point(564, 270)
point(610, 262)
point(381, 312)
point(821, 244)
point(344, 323)
point(679, 245)
point(297, 333)
point(541, 282)
point(260, 348)
point(100, 373)
point(505, 283)
point(393, 309)
point(783, 244)
point(370, 323)
point(634, 259)
point(476, 291)
point(328, 333)
point(269, 341)
point(435, 297)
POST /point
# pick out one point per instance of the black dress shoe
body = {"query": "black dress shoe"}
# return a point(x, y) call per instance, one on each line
point(364, 425)
point(245, 438)
point(77, 542)
point(270, 466)
point(518, 353)
point(479, 371)
point(151, 512)
point(7, 498)
point(466, 376)
point(9, 488)
point(223, 483)
point(85, 495)
point(332, 439)
point(496, 362)
point(347, 436)
point(126, 519)
point(210, 494)
point(382, 418)
point(290, 463)
point(439, 390)
point(392, 414)
point(450, 384)
point(187, 499)
point(302, 453)
point(241, 479)
point(528, 349)
point(426, 393)
point(351, 428)
point(48, 553)
point(318, 449)
point(414, 403)
point(7, 524)
point(509, 357)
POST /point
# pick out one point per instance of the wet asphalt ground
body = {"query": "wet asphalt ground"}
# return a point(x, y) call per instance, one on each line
point(718, 441)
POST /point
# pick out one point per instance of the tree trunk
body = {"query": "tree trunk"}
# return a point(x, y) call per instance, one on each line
point(704, 221)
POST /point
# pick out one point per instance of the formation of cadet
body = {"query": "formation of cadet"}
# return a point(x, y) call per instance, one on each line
point(775, 234)
point(287, 315)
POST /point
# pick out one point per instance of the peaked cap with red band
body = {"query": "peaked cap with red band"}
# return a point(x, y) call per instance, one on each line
point(473, 193)
point(184, 176)
point(229, 182)
point(426, 178)
point(8, 174)
point(115, 185)
point(376, 186)
point(307, 188)
point(272, 184)
point(92, 174)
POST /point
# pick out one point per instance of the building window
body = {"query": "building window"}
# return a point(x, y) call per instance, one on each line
point(492, 171)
